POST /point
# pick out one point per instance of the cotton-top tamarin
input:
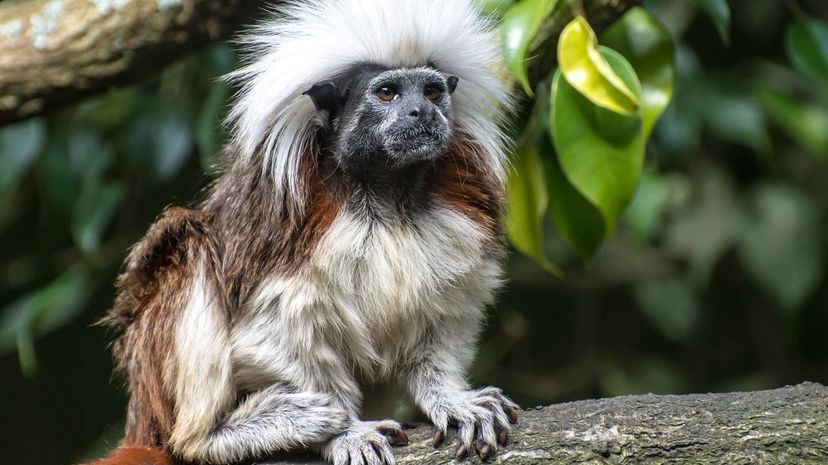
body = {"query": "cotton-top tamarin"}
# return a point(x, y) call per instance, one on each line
point(354, 236)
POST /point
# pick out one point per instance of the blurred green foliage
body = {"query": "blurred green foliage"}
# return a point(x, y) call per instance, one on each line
point(713, 279)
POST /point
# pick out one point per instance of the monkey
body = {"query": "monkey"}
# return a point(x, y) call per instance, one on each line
point(354, 235)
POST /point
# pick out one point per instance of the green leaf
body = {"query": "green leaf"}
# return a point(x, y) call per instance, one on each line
point(42, 312)
point(586, 69)
point(601, 151)
point(702, 231)
point(671, 304)
point(644, 215)
point(719, 10)
point(804, 122)
point(19, 146)
point(94, 210)
point(26, 354)
point(56, 179)
point(783, 247)
point(89, 155)
point(115, 108)
point(528, 200)
point(208, 132)
point(173, 144)
point(578, 221)
point(807, 43)
point(647, 45)
point(736, 116)
point(518, 28)
point(164, 137)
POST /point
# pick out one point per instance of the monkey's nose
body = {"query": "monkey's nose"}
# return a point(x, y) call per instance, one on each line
point(415, 113)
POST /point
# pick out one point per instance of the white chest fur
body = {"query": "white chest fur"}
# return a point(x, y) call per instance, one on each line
point(371, 291)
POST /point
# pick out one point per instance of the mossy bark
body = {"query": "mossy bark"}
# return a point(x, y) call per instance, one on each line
point(787, 426)
point(54, 52)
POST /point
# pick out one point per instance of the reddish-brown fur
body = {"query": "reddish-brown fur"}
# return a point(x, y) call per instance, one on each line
point(257, 236)
point(146, 311)
point(468, 188)
point(136, 456)
point(239, 244)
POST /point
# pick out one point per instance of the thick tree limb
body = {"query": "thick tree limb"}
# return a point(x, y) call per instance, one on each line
point(54, 52)
point(783, 426)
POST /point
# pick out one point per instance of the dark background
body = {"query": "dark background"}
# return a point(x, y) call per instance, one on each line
point(714, 282)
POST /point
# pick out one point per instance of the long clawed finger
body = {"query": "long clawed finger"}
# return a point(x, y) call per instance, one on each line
point(503, 437)
point(512, 414)
point(395, 436)
point(461, 452)
point(438, 437)
point(508, 405)
point(484, 450)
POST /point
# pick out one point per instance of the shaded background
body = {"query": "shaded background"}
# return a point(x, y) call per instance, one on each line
point(714, 282)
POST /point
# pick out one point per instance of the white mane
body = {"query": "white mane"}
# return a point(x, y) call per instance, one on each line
point(313, 40)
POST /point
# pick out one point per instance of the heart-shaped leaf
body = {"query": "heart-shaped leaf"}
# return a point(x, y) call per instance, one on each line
point(576, 219)
point(41, 312)
point(585, 69)
point(648, 46)
point(518, 28)
point(209, 132)
point(645, 214)
point(528, 200)
point(783, 244)
point(804, 122)
point(19, 146)
point(94, 210)
point(719, 11)
point(807, 44)
point(601, 151)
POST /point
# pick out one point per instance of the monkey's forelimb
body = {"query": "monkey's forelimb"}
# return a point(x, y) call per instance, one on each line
point(437, 383)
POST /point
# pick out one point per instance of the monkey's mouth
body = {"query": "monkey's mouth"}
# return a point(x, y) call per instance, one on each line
point(417, 144)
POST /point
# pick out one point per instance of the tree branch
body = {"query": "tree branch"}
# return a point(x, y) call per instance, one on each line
point(54, 52)
point(782, 426)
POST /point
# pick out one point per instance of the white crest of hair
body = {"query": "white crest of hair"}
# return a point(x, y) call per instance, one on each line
point(309, 41)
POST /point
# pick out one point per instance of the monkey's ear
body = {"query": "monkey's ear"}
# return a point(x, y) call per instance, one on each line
point(323, 95)
point(452, 83)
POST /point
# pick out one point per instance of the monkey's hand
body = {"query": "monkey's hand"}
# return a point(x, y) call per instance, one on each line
point(481, 417)
point(366, 443)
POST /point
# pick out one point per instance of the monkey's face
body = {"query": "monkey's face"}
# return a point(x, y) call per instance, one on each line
point(386, 119)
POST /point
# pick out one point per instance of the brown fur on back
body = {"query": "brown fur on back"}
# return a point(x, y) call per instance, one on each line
point(146, 311)
point(259, 237)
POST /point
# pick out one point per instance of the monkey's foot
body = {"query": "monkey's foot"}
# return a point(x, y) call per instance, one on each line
point(482, 420)
point(366, 443)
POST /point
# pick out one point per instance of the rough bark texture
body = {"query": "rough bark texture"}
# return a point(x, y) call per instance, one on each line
point(787, 426)
point(54, 52)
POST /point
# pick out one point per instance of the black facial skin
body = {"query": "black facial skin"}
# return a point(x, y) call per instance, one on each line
point(379, 121)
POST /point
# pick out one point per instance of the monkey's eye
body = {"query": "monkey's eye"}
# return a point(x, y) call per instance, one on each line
point(433, 93)
point(386, 94)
